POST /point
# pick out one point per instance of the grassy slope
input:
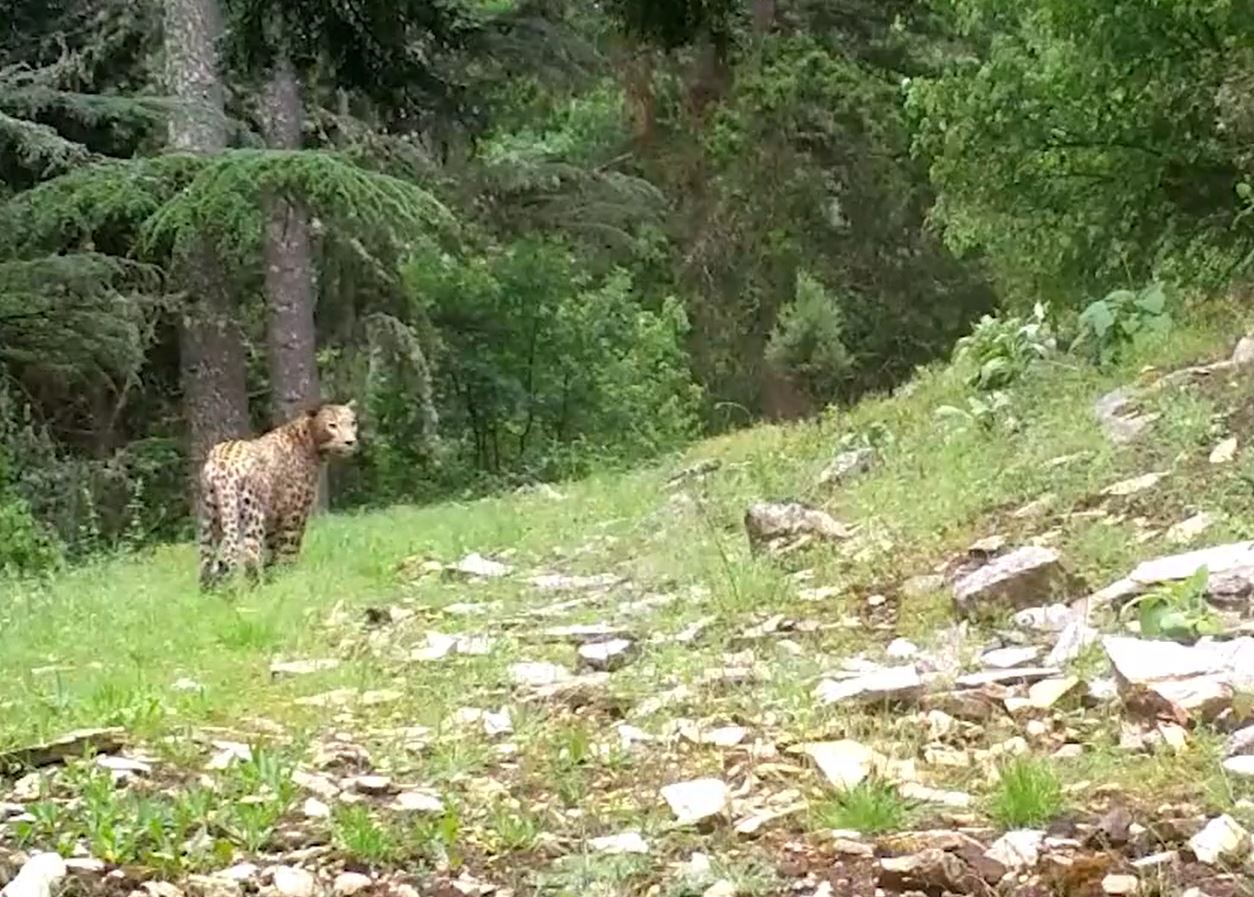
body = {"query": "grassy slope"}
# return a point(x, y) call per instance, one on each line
point(105, 644)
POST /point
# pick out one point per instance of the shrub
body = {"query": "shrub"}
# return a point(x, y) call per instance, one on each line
point(1112, 324)
point(1002, 350)
point(807, 341)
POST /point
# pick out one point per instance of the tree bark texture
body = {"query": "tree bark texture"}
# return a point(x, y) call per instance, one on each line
point(291, 340)
point(211, 348)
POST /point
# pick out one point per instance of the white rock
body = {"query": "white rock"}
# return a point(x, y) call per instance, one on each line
point(719, 736)
point(1224, 451)
point(901, 649)
point(123, 764)
point(914, 791)
point(496, 723)
point(608, 655)
point(720, 888)
point(302, 667)
point(1120, 885)
point(624, 842)
point(889, 683)
point(558, 582)
point(241, 872)
point(1241, 766)
point(1243, 354)
point(843, 763)
point(1014, 579)
point(347, 884)
point(1048, 692)
point(1223, 838)
point(438, 647)
point(1190, 528)
point(537, 673)
point(371, 784)
point(292, 882)
point(1134, 485)
point(315, 809)
point(475, 564)
point(1017, 850)
point(1005, 658)
point(418, 801)
point(1216, 559)
point(36, 877)
point(1051, 618)
point(1071, 642)
point(698, 799)
point(1014, 674)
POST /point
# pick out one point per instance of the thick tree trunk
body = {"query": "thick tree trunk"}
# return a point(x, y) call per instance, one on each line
point(290, 336)
point(211, 349)
point(763, 15)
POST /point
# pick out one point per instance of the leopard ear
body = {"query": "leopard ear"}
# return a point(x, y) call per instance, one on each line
point(351, 403)
point(312, 411)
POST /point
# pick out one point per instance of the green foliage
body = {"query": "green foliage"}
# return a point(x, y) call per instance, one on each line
point(1107, 327)
point(1078, 144)
point(1001, 350)
point(1177, 611)
point(986, 412)
point(1028, 793)
point(545, 369)
point(806, 340)
point(872, 807)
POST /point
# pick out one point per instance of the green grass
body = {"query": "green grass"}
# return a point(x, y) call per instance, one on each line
point(130, 641)
point(870, 807)
point(1028, 794)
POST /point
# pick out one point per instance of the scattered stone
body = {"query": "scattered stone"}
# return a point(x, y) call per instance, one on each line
point(696, 800)
point(1006, 658)
point(1015, 581)
point(477, 565)
point(1014, 674)
point(931, 871)
point(1120, 885)
point(213, 886)
point(1118, 417)
point(37, 876)
point(537, 673)
point(606, 656)
point(1239, 742)
point(70, 746)
point(695, 471)
point(778, 528)
point(280, 668)
point(1181, 682)
point(721, 888)
point(901, 649)
point(347, 884)
point(1240, 766)
point(847, 465)
point(1133, 485)
point(583, 633)
point(844, 763)
point(1224, 451)
point(1222, 839)
point(890, 683)
point(720, 736)
point(1036, 508)
point(1051, 618)
point(1017, 850)
point(1048, 692)
point(418, 801)
point(959, 800)
point(624, 842)
point(1072, 641)
point(292, 882)
point(559, 582)
point(1190, 528)
point(315, 809)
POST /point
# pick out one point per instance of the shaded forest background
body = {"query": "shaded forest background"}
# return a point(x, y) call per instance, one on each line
point(537, 238)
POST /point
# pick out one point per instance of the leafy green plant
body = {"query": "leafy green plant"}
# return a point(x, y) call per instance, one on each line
point(987, 413)
point(1028, 793)
point(870, 807)
point(807, 342)
point(355, 830)
point(1110, 325)
point(1177, 611)
point(1002, 349)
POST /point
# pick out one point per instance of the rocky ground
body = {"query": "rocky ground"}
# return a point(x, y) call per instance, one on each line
point(715, 692)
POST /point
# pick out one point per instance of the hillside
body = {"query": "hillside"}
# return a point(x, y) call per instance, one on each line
point(500, 696)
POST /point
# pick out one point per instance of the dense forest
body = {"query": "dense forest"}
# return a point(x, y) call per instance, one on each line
point(536, 238)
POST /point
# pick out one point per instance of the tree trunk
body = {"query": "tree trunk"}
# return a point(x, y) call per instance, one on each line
point(211, 348)
point(290, 335)
point(763, 16)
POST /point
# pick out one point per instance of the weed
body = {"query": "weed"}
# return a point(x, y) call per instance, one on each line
point(1177, 610)
point(1028, 793)
point(871, 807)
point(513, 828)
point(1109, 325)
point(355, 830)
point(1002, 350)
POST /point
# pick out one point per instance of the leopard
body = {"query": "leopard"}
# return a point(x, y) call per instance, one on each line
point(255, 495)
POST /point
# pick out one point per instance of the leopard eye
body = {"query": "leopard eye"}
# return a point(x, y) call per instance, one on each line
point(332, 426)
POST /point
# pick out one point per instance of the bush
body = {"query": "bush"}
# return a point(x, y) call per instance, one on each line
point(544, 370)
point(1002, 349)
point(1111, 325)
point(807, 342)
